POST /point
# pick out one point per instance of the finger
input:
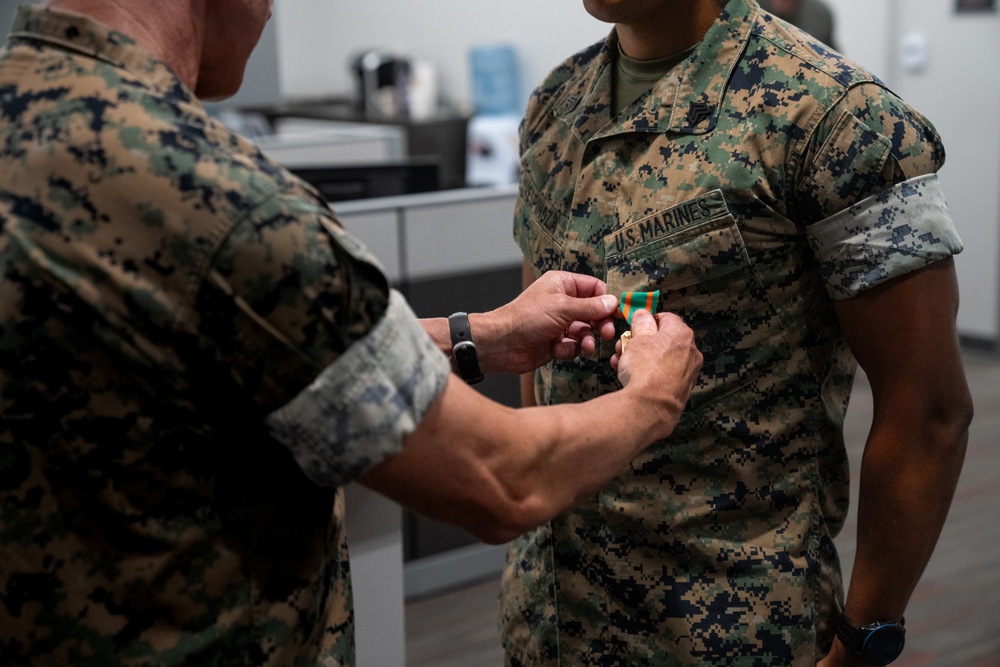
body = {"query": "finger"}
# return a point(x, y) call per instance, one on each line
point(587, 342)
point(585, 286)
point(665, 320)
point(565, 349)
point(587, 337)
point(589, 309)
point(577, 330)
point(605, 328)
point(643, 322)
point(579, 339)
point(616, 358)
point(601, 307)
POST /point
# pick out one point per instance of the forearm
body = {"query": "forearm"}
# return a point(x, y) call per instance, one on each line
point(903, 334)
point(497, 472)
point(574, 450)
point(909, 472)
point(440, 334)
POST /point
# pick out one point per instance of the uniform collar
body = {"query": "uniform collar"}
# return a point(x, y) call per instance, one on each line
point(688, 101)
point(83, 35)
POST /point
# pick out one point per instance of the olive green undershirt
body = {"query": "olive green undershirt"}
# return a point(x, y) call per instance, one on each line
point(633, 78)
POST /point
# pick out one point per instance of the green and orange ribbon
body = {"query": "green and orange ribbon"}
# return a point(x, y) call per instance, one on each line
point(633, 301)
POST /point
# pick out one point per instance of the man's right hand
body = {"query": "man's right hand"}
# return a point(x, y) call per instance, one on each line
point(662, 361)
point(497, 472)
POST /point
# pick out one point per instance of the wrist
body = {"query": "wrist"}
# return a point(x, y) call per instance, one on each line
point(464, 353)
point(437, 329)
point(875, 643)
point(489, 341)
point(844, 657)
point(652, 416)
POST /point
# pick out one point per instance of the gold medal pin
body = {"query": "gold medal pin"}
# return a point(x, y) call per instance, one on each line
point(625, 338)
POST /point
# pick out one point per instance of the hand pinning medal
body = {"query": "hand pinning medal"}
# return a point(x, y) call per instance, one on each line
point(632, 301)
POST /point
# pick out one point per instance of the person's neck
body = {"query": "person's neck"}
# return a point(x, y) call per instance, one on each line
point(170, 30)
point(668, 33)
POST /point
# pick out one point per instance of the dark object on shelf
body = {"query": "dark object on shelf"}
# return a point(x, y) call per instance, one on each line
point(442, 137)
point(346, 183)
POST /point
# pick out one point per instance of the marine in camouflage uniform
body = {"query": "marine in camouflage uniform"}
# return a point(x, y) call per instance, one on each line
point(763, 179)
point(173, 305)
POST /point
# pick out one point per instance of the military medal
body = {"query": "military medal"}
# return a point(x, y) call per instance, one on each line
point(632, 301)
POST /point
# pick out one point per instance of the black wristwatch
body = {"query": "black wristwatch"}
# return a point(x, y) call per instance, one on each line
point(463, 349)
point(877, 643)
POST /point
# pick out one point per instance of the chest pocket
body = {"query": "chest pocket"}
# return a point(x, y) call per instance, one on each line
point(695, 255)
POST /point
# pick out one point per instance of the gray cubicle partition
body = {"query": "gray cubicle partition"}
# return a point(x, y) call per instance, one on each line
point(446, 251)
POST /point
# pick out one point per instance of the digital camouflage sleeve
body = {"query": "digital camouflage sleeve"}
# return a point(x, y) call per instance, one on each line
point(164, 287)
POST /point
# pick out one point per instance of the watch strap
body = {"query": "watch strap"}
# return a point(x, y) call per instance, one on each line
point(851, 636)
point(857, 638)
point(463, 349)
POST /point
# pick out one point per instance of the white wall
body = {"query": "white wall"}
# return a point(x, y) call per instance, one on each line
point(317, 38)
point(960, 92)
point(861, 28)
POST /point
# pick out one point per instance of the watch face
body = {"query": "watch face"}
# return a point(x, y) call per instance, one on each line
point(883, 644)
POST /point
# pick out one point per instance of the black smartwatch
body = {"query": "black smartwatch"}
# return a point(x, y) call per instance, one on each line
point(877, 643)
point(463, 350)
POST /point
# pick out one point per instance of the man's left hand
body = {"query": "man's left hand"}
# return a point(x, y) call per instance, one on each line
point(559, 316)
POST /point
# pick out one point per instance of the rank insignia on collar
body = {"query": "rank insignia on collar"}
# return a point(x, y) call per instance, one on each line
point(697, 112)
point(571, 103)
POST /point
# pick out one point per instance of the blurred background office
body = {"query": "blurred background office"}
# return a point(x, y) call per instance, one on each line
point(813, 16)
point(404, 114)
point(938, 54)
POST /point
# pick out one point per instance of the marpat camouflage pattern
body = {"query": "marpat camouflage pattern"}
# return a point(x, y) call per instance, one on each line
point(165, 288)
point(763, 177)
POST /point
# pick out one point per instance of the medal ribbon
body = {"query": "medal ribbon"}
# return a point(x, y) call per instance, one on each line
point(632, 301)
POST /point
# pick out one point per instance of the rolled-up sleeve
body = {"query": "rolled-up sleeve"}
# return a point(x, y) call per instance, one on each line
point(360, 408)
point(899, 230)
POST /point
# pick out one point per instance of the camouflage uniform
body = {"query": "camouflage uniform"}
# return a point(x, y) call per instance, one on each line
point(175, 307)
point(762, 179)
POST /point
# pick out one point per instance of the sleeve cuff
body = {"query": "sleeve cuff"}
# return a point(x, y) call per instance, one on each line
point(897, 231)
point(359, 409)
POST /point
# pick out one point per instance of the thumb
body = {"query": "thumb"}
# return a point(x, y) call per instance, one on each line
point(643, 322)
point(596, 308)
